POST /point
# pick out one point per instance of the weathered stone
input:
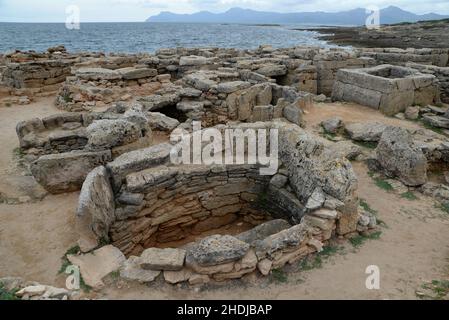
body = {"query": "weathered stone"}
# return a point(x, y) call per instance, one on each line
point(316, 200)
point(106, 134)
point(412, 113)
point(279, 181)
point(162, 259)
point(65, 172)
point(133, 199)
point(264, 266)
point(138, 160)
point(367, 131)
point(175, 277)
point(346, 149)
point(215, 250)
point(291, 237)
point(159, 121)
point(132, 271)
point(263, 231)
point(197, 279)
point(95, 212)
point(401, 158)
point(436, 121)
point(98, 264)
point(98, 74)
point(325, 214)
point(332, 125)
point(230, 87)
point(137, 73)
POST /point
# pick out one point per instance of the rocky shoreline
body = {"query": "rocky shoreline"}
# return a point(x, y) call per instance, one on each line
point(428, 34)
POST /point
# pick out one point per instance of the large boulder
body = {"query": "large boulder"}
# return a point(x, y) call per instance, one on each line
point(65, 172)
point(96, 209)
point(162, 259)
point(400, 157)
point(161, 122)
point(366, 131)
point(263, 231)
point(216, 250)
point(95, 266)
point(106, 134)
point(97, 74)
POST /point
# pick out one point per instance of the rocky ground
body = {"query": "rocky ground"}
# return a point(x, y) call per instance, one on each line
point(429, 34)
point(411, 251)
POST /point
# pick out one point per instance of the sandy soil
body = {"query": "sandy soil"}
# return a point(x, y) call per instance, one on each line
point(33, 236)
point(413, 248)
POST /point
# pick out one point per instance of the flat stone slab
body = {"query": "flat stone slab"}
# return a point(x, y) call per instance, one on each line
point(137, 73)
point(132, 271)
point(162, 259)
point(215, 250)
point(98, 264)
point(65, 172)
point(98, 74)
point(367, 131)
point(263, 231)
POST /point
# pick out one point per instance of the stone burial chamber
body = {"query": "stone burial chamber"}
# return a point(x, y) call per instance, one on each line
point(64, 148)
point(390, 89)
point(180, 220)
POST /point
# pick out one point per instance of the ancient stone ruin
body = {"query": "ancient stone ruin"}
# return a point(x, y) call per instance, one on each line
point(390, 89)
point(195, 223)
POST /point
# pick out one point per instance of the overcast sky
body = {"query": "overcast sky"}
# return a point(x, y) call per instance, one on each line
point(139, 10)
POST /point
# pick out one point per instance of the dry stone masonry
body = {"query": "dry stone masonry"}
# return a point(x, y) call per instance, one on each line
point(147, 217)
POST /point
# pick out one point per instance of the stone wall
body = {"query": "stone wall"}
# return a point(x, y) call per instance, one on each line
point(64, 148)
point(435, 57)
point(390, 89)
point(441, 73)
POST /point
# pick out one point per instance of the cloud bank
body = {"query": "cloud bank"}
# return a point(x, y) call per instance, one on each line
point(139, 10)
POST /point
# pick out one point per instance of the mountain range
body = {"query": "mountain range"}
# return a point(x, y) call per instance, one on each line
point(356, 17)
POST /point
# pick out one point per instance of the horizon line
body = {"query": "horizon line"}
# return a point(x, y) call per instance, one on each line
point(221, 12)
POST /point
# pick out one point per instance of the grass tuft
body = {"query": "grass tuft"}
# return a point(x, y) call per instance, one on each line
point(366, 144)
point(279, 275)
point(367, 207)
point(409, 196)
point(383, 184)
point(65, 262)
point(316, 261)
point(359, 240)
point(439, 289)
point(6, 294)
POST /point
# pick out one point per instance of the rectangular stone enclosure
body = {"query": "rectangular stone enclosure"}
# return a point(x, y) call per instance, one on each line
point(390, 89)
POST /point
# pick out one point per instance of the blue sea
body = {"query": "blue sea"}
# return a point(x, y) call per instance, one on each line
point(148, 37)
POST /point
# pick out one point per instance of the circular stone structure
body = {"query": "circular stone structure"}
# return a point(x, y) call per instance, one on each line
point(176, 219)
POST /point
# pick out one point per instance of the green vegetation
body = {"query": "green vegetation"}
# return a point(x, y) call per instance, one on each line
point(65, 261)
point(316, 261)
point(359, 240)
point(409, 196)
point(381, 183)
point(86, 288)
point(439, 289)
point(434, 129)
point(367, 207)
point(6, 294)
point(279, 275)
point(18, 153)
point(443, 207)
point(67, 98)
point(366, 144)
